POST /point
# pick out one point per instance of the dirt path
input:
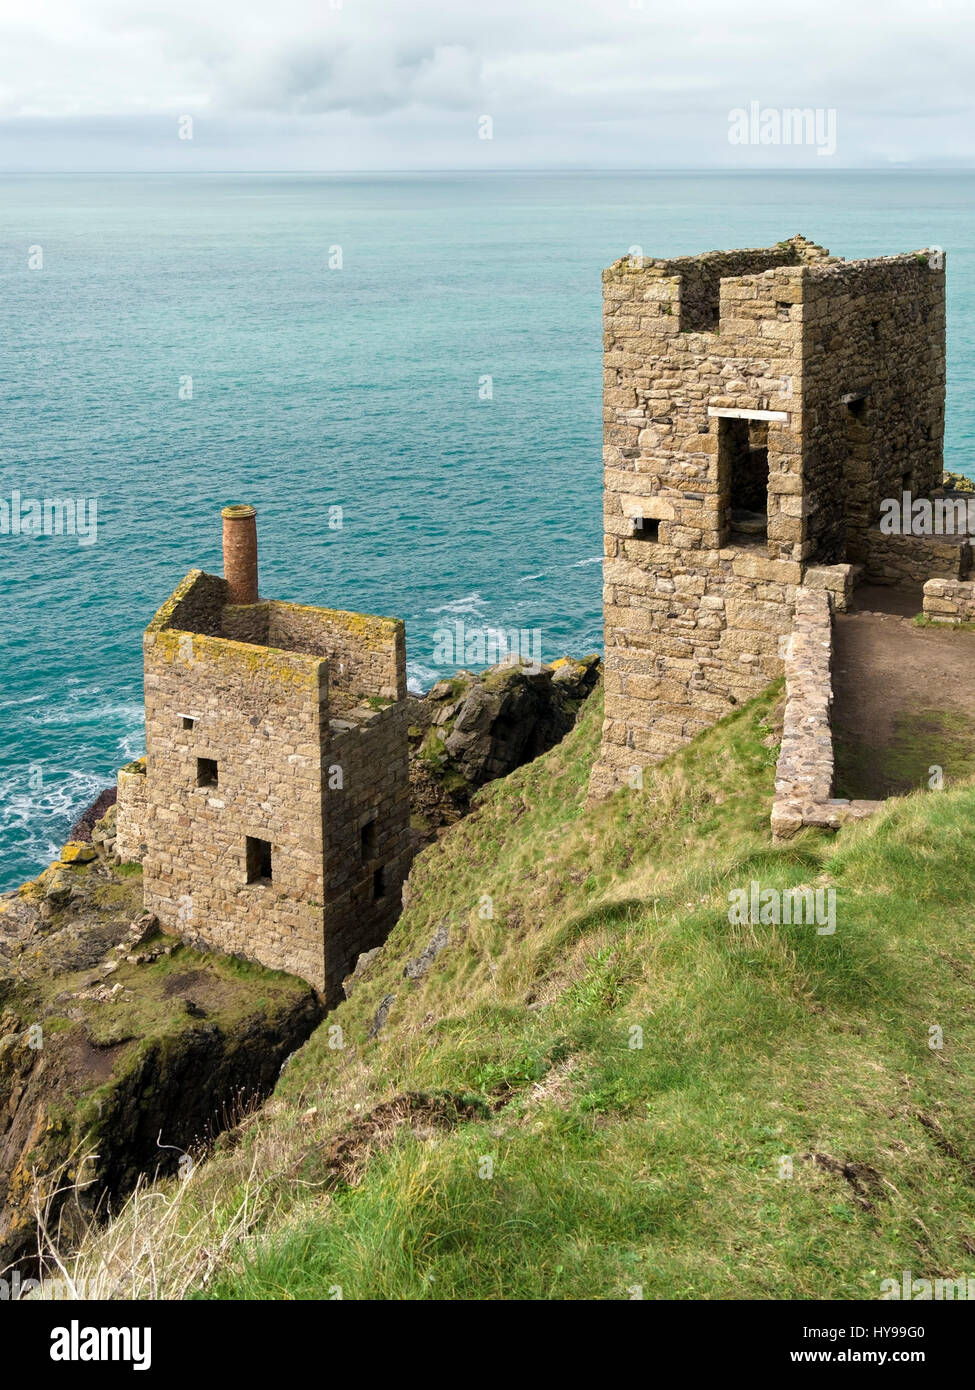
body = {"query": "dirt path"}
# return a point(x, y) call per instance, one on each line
point(904, 699)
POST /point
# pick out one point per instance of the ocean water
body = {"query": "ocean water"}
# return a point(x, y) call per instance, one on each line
point(361, 387)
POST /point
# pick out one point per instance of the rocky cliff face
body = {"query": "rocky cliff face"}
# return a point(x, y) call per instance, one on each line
point(120, 1049)
point(473, 728)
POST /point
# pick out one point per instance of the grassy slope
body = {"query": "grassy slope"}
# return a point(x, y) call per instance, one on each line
point(616, 1166)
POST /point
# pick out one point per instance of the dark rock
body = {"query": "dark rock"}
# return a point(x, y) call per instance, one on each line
point(473, 728)
point(362, 965)
point(416, 969)
point(82, 828)
point(381, 1015)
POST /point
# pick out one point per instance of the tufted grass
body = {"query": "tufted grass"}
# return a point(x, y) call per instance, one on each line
point(776, 1127)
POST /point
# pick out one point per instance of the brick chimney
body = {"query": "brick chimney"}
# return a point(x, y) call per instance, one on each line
point(240, 553)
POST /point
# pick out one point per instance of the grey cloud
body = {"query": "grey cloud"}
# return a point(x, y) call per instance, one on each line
point(381, 83)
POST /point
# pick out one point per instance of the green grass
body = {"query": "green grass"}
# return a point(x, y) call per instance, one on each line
point(922, 620)
point(647, 1072)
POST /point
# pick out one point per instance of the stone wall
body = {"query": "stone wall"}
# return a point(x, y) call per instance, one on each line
point(905, 559)
point(367, 822)
point(131, 814)
point(260, 716)
point(839, 581)
point(366, 655)
point(699, 596)
point(873, 390)
point(804, 773)
point(699, 280)
point(247, 622)
point(244, 751)
point(198, 606)
point(693, 617)
point(949, 601)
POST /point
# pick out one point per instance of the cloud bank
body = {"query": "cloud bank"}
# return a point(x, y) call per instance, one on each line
point(375, 84)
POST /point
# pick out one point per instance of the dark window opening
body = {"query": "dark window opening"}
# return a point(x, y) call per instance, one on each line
point(258, 860)
point(206, 772)
point(858, 407)
point(907, 480)
point(368, 841)
point(645, 528)
point(188, 722)
point(875, 329)
point(379, 883)
point(743, 450)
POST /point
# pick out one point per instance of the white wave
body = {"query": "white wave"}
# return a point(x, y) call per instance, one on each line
point(73, 712)
point(132, 746)
point(39, 816)
point(470, 603)
point(27, 700)
point(419, 678)
point(596, 560)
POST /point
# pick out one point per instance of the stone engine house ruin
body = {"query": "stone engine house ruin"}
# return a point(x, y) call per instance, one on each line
point(271, 812)
point(758, 407)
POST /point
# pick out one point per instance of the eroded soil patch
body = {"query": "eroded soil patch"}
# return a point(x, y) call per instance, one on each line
point(904, 703)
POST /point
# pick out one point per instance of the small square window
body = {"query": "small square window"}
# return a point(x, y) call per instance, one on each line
point(188, 722)
point(206, 772)
point(367, 837)
point(258, 855)
point(379, 884)
point(645, 528)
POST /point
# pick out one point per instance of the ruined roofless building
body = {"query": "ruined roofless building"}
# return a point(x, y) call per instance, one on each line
point(758, 407)
point(271, 812)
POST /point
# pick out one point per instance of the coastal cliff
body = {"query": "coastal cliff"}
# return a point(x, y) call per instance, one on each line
point(124, 1052)
point(121, 1050)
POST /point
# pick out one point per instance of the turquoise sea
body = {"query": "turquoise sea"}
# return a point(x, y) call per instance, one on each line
point(360, 387)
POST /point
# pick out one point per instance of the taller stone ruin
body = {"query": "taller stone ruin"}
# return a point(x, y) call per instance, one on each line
point(271, 812)
point(758, 407)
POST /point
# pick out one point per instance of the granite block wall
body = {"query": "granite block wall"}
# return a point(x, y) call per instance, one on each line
point(822, 379)
point(252, 817)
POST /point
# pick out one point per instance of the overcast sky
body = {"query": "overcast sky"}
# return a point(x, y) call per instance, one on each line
point(381, 84)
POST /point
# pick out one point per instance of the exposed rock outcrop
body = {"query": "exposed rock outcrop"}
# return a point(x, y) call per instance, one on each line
point(84, 825)
point(119, 1043)
point(473, 728)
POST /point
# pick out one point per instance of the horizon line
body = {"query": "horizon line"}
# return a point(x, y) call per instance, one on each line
point(540, 169)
